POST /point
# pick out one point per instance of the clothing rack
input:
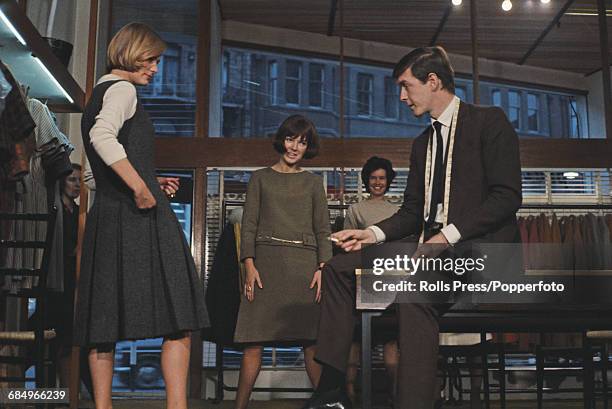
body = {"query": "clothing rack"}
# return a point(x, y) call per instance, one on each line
point(566, 207)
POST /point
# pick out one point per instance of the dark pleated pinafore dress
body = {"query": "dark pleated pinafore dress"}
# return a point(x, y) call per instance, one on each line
point(138, 279)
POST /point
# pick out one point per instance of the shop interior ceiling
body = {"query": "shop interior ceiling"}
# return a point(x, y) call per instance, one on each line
point(571, 44)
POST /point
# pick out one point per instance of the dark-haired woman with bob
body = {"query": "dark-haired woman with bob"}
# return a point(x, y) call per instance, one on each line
point(377, 175)
point(284, 244)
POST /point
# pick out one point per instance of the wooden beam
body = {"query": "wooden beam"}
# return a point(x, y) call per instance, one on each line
point(443, 20)
point(91, 49)
point(331, 21)
point(475, 67)
point(543, 34)
point(198, 248)
point(605, 66)
point(190, 153)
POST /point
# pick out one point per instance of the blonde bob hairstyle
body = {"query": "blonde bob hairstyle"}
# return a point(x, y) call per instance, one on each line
point(133, 44)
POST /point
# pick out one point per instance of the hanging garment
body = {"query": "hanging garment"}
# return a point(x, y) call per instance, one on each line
point(603, 238)
point(524, 230)
point(534, 238)
point(223, 291)
point(16, 125)
point(35, 193)
point(556, 251)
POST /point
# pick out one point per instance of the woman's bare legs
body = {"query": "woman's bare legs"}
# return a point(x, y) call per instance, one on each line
point(175, 367)
point(101, 364)
point(249, 369)
point(313, 368)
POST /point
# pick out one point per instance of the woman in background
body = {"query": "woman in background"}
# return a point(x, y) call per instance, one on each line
point(377, 175)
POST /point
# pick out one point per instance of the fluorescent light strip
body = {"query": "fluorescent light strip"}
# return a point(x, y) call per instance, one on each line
point(57, 84)
point(585, 14)
point(11, 27)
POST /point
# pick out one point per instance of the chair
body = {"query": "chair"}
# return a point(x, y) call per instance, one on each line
point(599, 339)
point(37, 338)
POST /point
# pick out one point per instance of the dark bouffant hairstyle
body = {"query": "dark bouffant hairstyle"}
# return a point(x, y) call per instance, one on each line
point(373, 164)
point(297, 125)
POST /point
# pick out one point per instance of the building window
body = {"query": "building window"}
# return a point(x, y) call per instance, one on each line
point(293, 78)
point(514, 109)
point(533, 112)
point(461, 93)
point(496, 98)
point(574, 127)
point(170, 70)
point(391, 98)
point(364, 94)
point(273, 82)
point(225, 71)
point(316, 81)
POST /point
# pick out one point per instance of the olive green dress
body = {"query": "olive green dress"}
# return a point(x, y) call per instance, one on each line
point(285, 226)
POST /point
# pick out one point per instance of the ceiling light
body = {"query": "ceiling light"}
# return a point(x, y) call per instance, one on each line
point(57, 84)
point(507, 5)
point(10, 26)
point(457, 2)
point(545, 1)
point(570, 175)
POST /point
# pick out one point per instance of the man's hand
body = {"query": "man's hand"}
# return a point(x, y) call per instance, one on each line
point(432, 247)
point(352, 240)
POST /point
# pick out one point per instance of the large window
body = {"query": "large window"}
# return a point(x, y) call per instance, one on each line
point(265, 87)
point(514, 109)
point(225, 71)
point(364, 94)
point(273, 82)
point(170, 98)
point(316, 83)
point(293, 79)
point(391, 98)
point(574, 123)
point(533, 113)
point(496, 98)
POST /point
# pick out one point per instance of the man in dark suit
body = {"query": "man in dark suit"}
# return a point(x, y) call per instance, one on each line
point(472, 149)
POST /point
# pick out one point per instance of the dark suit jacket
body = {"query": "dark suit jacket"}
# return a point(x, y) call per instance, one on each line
point(485, 180)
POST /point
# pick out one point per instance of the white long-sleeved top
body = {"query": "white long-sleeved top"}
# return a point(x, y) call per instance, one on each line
point(118, 105)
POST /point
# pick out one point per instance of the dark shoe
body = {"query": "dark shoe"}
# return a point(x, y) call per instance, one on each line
point(333, 399)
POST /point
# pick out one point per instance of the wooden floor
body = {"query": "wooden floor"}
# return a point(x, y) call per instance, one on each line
point(297, 404)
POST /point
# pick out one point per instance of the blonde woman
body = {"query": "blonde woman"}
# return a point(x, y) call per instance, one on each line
point(138, 279)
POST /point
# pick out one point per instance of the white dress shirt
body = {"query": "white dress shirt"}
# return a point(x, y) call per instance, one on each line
point(450, 232)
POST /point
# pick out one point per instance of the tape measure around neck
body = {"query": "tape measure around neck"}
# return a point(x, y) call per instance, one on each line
point(449, 165)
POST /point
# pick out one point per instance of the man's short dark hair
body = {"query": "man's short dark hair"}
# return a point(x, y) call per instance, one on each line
point(298, 125)
point(372, 165)
point(424, 61)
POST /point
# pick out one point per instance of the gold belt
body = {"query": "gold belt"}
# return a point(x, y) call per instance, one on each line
point(284, 240)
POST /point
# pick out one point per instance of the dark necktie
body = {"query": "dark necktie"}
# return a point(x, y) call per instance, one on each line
point(437, 188)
